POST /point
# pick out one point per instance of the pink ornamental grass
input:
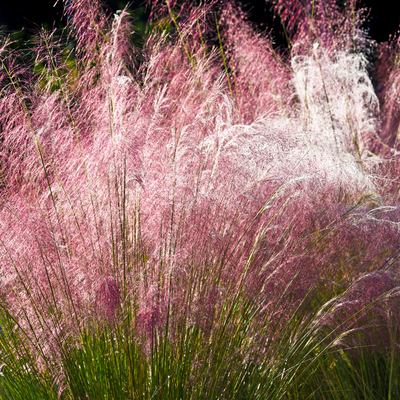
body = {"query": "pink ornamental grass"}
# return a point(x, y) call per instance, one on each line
point(164, 182)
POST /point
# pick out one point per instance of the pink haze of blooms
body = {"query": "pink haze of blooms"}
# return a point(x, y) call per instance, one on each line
point(163, 179)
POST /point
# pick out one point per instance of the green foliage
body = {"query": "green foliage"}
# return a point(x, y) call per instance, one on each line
point(353, 374)
point(111, 362)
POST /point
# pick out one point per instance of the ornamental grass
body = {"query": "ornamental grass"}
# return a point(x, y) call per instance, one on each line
point(189, 211)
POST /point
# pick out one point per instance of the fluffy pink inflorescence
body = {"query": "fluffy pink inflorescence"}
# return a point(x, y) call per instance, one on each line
point(165, 179)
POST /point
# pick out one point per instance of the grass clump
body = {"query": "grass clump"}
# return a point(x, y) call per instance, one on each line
point(197, 214)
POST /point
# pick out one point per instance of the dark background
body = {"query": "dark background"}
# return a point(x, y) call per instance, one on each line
point(384, 20)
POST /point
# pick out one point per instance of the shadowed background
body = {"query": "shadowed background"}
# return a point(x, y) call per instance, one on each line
point(18, 14)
